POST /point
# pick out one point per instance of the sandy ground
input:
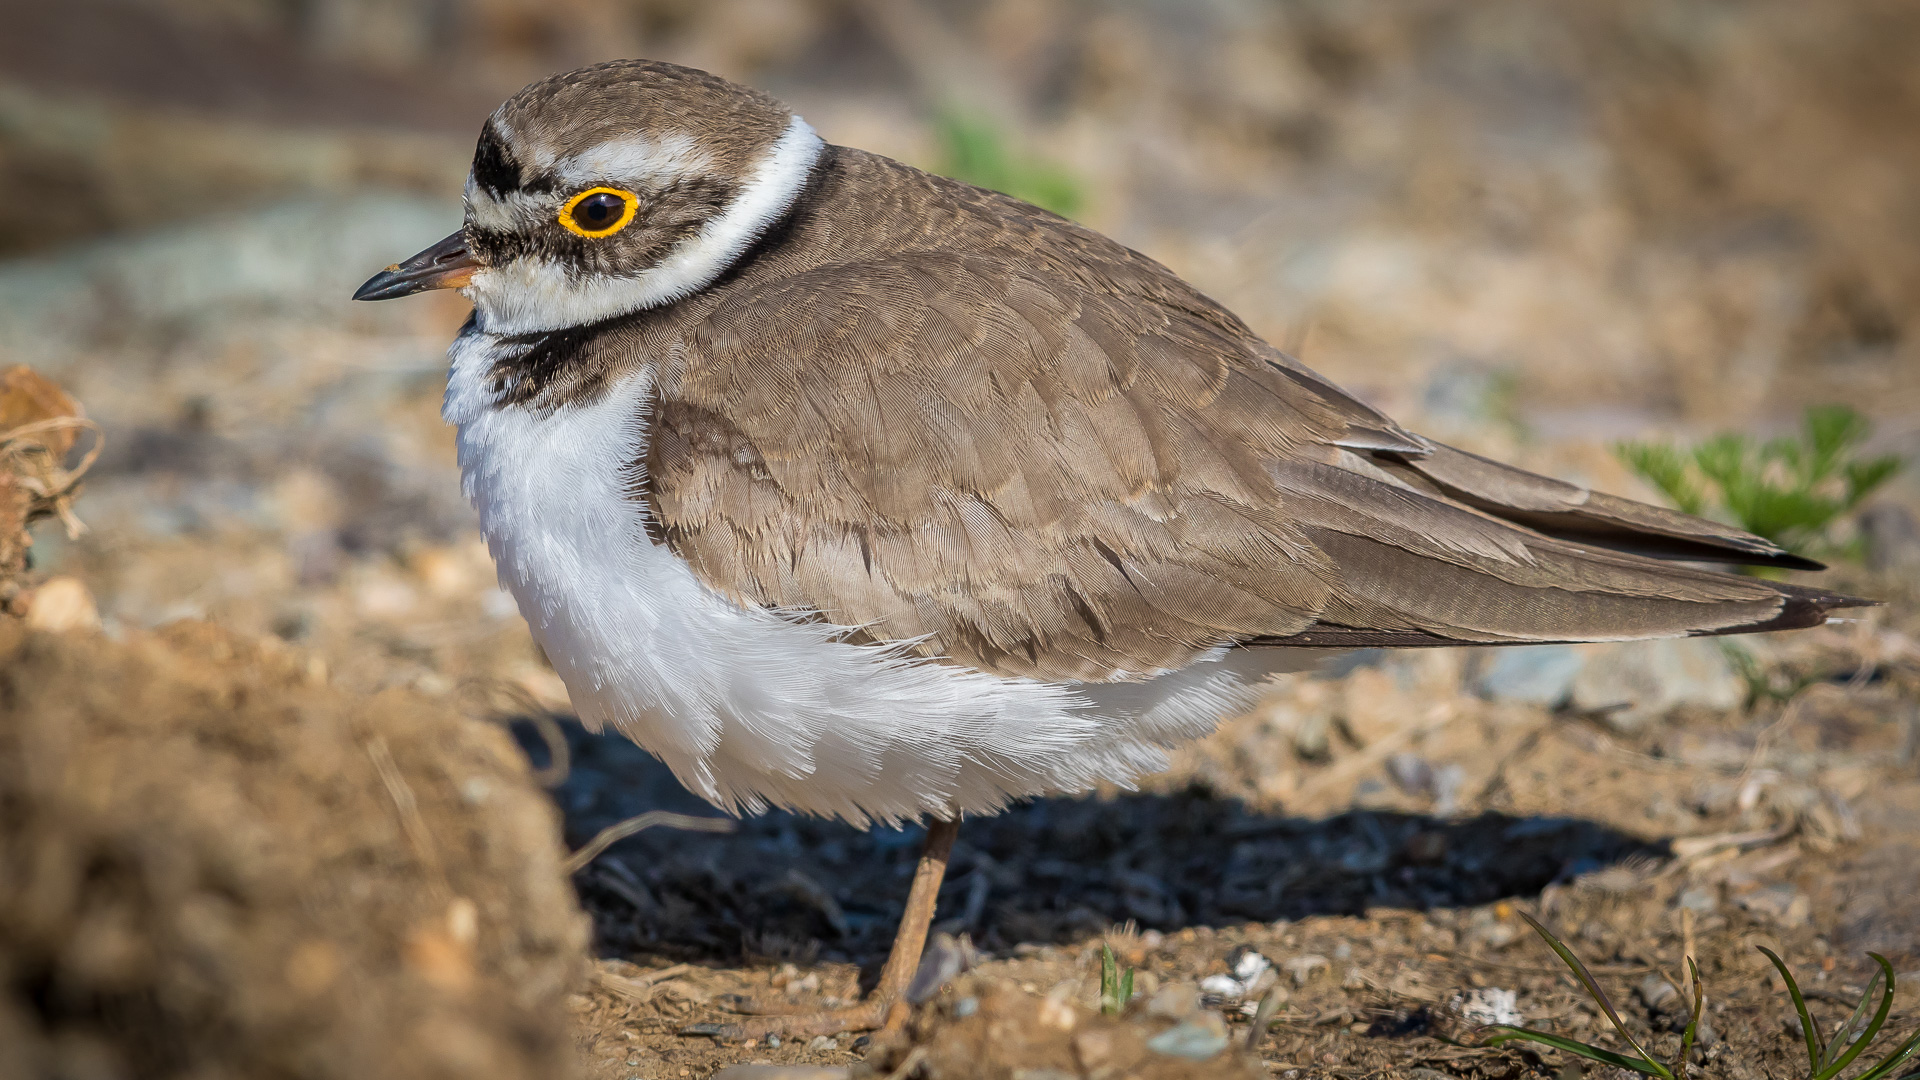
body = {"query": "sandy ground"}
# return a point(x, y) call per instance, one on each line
point(1531, 232)
point(1792, 827)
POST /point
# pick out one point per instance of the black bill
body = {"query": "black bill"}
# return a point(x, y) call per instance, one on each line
point(446, 265)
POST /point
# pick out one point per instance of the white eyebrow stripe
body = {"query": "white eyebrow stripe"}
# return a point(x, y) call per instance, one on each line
point(535, 159)
point(647, 159)
point(529, 295)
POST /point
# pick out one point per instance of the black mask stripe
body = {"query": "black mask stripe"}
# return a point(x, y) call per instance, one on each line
point(494, 166)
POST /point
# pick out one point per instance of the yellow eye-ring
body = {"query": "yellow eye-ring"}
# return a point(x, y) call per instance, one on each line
point(599, 211)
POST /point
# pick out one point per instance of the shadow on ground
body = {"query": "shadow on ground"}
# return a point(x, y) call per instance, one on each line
point(785, 887)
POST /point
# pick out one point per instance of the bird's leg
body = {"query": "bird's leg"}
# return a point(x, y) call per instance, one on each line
point(886, 1006)
point(910, 939)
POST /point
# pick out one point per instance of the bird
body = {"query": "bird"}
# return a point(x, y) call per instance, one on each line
point(857, 491)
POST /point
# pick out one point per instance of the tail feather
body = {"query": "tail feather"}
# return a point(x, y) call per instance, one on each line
point(1452, 549)
point(1571, 512)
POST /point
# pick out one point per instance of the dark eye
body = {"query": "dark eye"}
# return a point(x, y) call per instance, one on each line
point(598, 212)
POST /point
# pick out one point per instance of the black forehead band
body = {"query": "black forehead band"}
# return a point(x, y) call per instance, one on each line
point(495, 169)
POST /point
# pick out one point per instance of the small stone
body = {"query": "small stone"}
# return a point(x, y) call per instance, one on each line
point(1700, 899)
point(1631, 684)
point(945, 957)
point(1411, 772)
point(1892, 538)
point(1056, 1012)
point(1303, 967)
point(966, 1007)
point(1192, 1040)
point(1655, 990)
point(1782, 903)
point(1247, 963)
point(1223, 986)
point(1175, 1001)
point(1489, 1005)
point(822, 1043)
point(779, 1072)
point(1533, 674)
point(1495, 935)
point(61, 604)
point(1093, 1049)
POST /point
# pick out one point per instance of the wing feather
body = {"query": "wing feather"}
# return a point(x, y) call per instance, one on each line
point(1059, 461)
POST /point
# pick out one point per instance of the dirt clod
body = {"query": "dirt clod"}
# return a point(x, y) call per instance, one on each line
point(39, 425)
point(211, 866)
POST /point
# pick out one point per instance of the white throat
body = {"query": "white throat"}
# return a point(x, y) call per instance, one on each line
point(530, 295)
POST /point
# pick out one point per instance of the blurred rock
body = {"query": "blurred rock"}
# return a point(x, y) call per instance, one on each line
point(1304, 968)
point(1416, 776)
point(1781, 903)
point(1195, 1040)
point(61, 604)
point(1892, 539)
point(1535, 674)
point(1632, 684)
point(1489, 1005)
point(298, 258)
point(1175, 1001)
point(1700, 899)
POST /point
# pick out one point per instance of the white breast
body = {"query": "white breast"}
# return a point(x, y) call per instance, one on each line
point(750, 707)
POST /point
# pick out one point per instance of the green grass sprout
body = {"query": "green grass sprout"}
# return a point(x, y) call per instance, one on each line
point(1826, 1057)
point(1116, 987)
point(1790, 490)
point(975, 151)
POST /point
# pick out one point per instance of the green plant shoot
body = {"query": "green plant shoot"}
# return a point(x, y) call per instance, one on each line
point(1790, 490)
point(1827, 1057)
point(1116, 987)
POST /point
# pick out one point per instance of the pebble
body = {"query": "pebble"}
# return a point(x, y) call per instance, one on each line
point(1531, 674)
point(1655, 990)
point(1631, 684)
point(782, 1072)
point(61, 604)
point(945, 958)
point(1175, 1001)
point(1225, 986)
point(1783, 904)
point(1489, 1005)
point(1193, 1040)
point(1247, 963)
point(1700, 899)
point(1892, 539)
point(1303, 967)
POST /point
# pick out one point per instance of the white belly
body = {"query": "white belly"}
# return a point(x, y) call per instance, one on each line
point(751, 708)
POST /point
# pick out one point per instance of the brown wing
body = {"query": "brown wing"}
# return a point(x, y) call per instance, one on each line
point(1103, 475)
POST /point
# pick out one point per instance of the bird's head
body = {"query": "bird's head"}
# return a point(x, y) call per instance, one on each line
point(609, 190)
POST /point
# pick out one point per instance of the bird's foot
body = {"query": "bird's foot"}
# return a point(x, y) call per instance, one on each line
point(866, 1016)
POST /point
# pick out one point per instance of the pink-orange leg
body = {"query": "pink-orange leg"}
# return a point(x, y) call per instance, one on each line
point(886, 1007)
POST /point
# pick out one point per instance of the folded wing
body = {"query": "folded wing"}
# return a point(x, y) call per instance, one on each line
point(1096, 473)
